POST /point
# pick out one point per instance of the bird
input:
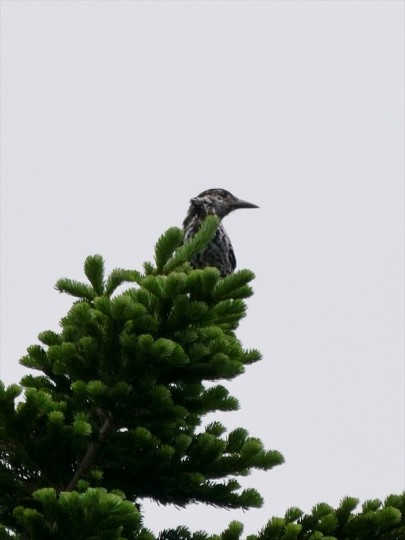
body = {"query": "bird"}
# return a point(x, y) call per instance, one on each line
point(219, 252)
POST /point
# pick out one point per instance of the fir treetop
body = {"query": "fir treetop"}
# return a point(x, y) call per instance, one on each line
point(116, 413)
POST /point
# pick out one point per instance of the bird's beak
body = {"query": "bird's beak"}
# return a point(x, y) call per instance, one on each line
point(238, 203)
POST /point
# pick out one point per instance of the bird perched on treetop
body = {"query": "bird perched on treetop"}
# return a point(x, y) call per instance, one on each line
point(219, 251)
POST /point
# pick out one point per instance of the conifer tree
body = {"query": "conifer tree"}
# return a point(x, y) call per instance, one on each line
point(116, 413)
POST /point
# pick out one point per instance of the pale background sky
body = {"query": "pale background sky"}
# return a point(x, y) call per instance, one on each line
point(114, 114)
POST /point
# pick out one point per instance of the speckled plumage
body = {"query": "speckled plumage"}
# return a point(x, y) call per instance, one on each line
point(219, 252)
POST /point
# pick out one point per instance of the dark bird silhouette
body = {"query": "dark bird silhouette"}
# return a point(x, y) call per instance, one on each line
point(219, 251)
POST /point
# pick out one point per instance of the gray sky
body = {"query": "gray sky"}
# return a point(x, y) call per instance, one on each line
point(114, 114)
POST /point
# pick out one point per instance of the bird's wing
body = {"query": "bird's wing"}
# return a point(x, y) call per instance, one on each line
point(232, 258)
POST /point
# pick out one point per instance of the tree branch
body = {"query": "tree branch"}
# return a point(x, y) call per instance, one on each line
point(88, 460)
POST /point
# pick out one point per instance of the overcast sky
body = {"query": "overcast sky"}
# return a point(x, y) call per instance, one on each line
point(114, 114)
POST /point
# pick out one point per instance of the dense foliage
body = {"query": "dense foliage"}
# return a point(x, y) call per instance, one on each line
point(116, 413)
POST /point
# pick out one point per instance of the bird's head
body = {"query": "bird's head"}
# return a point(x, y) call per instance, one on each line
point(218, 202)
